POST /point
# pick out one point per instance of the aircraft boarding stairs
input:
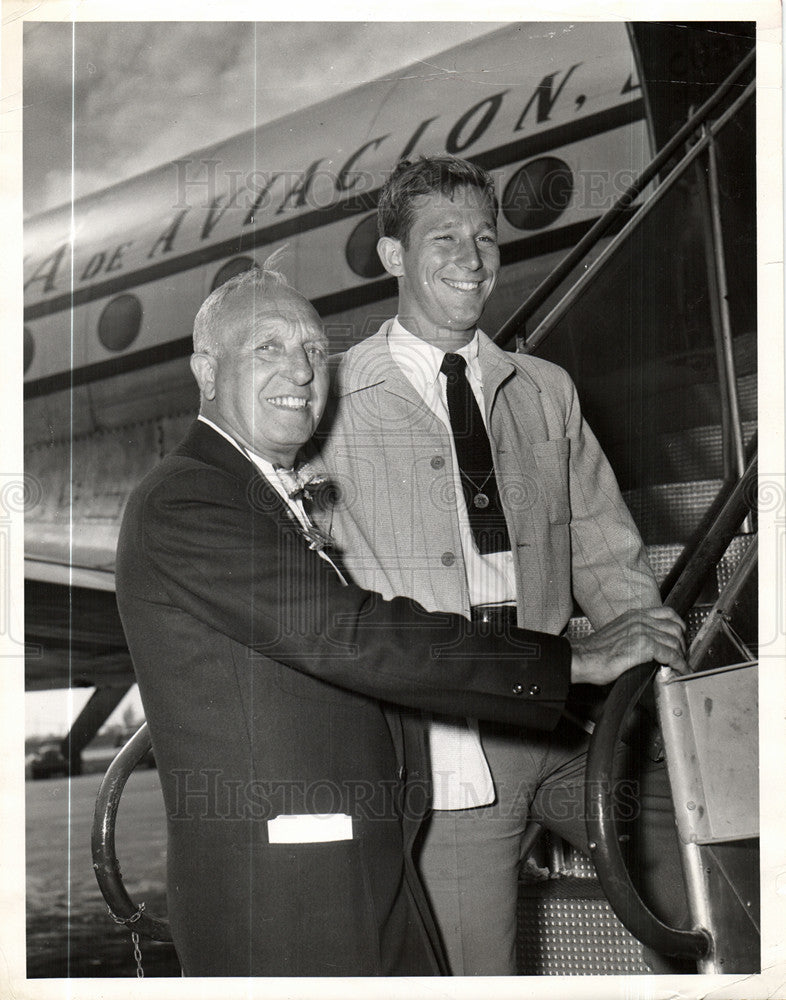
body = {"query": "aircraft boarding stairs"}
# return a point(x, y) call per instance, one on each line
point(674, 407)
point(707, 733)
point(566, 924)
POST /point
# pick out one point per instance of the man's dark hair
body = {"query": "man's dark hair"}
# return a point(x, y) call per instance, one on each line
point(429, 175)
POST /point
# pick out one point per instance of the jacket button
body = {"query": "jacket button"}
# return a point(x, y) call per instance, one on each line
point(437, 462)
point(448, 558)
point(518, 689)
point(534, 690)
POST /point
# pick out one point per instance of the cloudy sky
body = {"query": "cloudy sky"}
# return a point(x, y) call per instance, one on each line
point(144, 93)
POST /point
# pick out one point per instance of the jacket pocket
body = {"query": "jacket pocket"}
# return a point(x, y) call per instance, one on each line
point(325, 918)
point(551, 459)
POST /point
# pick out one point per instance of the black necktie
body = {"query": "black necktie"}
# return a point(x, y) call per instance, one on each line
point(476, 466)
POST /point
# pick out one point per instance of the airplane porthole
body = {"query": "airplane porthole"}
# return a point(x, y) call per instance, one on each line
point(538, 193)
point(232, 267)
point(361, 250)
point(119, 323)
point(28, 348)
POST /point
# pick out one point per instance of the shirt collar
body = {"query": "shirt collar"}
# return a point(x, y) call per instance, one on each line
point(265, 467)
point(223, 433)
point(421, 361)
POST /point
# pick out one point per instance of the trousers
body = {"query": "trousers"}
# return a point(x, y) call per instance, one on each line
point(469, 858)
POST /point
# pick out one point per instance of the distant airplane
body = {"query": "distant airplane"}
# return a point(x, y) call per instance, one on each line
point(561, 114)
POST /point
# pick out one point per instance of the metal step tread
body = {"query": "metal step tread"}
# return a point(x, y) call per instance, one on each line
point(670, 512)
point(574, 937)
point(692, 452)
point(662, 558)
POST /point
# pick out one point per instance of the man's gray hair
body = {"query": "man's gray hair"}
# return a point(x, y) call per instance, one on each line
point(208, 328)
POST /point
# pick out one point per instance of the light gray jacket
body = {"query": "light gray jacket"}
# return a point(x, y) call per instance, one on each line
point(396, 519)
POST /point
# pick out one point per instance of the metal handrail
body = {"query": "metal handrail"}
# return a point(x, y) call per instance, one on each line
point(604, 843)
point(708, 518)
point(105, 863)
point(546, 325)
point(515, 322)
point(708, 551)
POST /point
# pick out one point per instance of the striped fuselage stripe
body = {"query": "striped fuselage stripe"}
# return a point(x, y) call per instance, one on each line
point(335, 302)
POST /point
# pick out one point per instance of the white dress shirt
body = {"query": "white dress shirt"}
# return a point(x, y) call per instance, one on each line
point(460, 773)
point(491, 578)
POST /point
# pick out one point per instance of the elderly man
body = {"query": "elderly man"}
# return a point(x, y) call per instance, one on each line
point(473, 485)
point(293, 790)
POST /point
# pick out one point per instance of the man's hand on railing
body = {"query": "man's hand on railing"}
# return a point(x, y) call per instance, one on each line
point(635, 637)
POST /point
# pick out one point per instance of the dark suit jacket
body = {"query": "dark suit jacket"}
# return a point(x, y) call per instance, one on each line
point(267, 686)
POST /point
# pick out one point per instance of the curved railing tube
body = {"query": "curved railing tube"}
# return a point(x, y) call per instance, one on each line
point(604, 841)
point(105, 863)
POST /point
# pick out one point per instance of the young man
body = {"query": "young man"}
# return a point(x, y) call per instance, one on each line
point(293, 794)
point(473, 484)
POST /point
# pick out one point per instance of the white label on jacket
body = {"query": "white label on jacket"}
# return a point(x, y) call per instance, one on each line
point(318, 828)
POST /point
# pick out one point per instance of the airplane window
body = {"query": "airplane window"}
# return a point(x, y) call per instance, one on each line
point(232, 267)
point(538, 193)
point(28, 348)
point(119, 323)
point(361, 249)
